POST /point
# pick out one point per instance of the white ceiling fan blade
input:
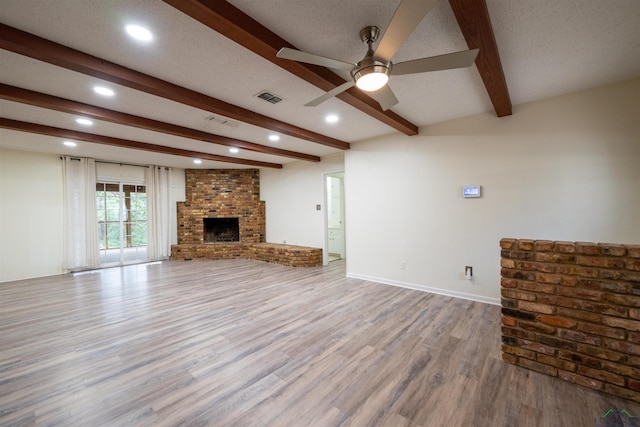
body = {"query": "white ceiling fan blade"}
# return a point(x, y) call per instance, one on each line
point(436, 63)
point(385, 97)
point(333, 92)
point(404, 21)
point(310, 58)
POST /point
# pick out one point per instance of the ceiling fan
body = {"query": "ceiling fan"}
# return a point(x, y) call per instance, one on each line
point(372, 73)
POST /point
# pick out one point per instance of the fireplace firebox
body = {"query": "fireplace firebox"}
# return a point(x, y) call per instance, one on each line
point(217, 230)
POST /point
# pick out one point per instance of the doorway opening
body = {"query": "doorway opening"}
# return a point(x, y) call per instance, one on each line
point(122, 222)
point(334, 217)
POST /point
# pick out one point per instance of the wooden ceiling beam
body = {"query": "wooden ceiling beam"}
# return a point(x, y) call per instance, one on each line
point(25, 96)
point(125, 143)
point(473, 19)
point(234, 24)
point(27, 44)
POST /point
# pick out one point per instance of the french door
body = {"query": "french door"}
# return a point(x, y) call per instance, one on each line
point(122, 222)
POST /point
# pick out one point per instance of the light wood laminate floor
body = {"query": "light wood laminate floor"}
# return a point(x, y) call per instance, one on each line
point(247, 343)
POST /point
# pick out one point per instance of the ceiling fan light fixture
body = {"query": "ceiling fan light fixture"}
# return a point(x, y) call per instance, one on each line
point(371, 74)
point(371, 81)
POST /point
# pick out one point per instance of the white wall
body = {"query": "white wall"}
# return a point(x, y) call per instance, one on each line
point(566, 168)
point(291, 195)
point(30, 215)
point(31, 203)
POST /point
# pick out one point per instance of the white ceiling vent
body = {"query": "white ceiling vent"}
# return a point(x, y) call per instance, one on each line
point(222, 121)
point(269, 97)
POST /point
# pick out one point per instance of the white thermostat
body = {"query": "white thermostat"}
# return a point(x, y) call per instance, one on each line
point(471, 191)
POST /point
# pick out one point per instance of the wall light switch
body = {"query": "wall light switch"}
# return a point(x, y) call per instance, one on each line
point(318, 207)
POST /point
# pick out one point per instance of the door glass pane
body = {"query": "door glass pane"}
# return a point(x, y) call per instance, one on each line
point(113, 235)
point(112, 202)
point(139, 207)
point(102, 235)
point(139, 234)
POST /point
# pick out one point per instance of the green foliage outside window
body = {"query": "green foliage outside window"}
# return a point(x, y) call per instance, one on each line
point(133, 209)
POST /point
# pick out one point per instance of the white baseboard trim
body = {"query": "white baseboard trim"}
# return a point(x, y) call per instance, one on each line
point(446, 292)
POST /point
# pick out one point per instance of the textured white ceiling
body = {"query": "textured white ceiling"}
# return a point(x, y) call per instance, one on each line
point(547, 47)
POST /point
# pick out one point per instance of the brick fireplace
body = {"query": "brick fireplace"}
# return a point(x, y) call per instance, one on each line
point(217, 194)
point(223, 217)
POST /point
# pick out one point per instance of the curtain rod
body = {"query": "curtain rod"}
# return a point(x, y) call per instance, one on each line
point(129, 164)
point(120, 163)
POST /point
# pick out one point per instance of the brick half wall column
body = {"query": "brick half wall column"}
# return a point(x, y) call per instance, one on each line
point(572, 310)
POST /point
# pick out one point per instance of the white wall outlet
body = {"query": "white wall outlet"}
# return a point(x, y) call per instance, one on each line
point(468, 272)
point(403, 265)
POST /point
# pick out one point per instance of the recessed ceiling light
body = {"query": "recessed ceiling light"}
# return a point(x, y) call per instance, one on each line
point(85, 122)
point(331, 118)
point(274, 138)
point(69, 143)
point(139, 33)
point(101, 90)
point(197, 161)
point(234, 150)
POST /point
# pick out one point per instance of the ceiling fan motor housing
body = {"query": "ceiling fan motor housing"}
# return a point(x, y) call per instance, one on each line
point(369, 34)
point(371, 65)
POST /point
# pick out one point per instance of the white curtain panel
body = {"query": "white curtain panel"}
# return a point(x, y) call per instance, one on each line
point(158, 183)
point(80, 218)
